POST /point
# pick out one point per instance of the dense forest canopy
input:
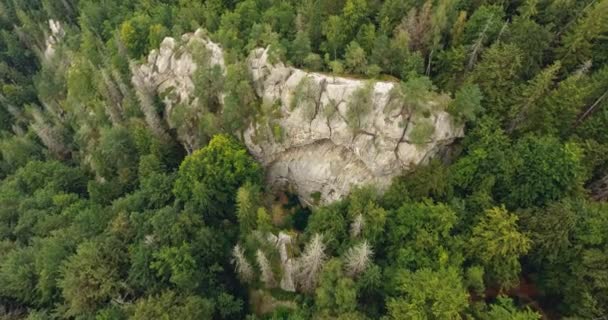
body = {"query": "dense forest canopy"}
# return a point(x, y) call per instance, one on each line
point(106, 214)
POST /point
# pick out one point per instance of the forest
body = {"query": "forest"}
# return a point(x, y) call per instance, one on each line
point(112, 208)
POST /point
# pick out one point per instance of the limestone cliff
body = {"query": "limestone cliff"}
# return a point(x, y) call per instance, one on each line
point(168, 73)
point(319, 151)
point(305, 138)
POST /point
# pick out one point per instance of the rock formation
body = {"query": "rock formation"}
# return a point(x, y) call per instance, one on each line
point(318, 151)
point(168, 72)
point(310, 146)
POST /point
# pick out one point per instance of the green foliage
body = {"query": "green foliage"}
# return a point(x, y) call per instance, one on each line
point(247, 202)
point(178, 264)
point(497, 244)
point(333, 30)
point(355, 57)
point(134, 33)
point(92, 276)
point(466, 105)
point(360, 105)
point(428, 294)
point(532, 94)
point(300, 49)
point(485, 24)
point(545, 170)
point(580, 39)
point(474, 279)
point(505, 309)
point(419, 236)
point(428, 181)
point(533, 39)
point(114, 157)
point(210, 176)
point(169, 305)
point(496, 75)
point(364, 202)
point(240, 101)
point(18, 276)
point(422, 132)
point(306, 96)
point(97, 221)
point(337, 293)
point(330, 221)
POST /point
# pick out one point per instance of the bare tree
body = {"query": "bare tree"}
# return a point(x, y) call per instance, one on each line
point(357, 258)
point(478, 45)
point(266, 268)
point(357, 226)
point(113, 97)
point(241, 265)
point(311, 263)
point(145, 95)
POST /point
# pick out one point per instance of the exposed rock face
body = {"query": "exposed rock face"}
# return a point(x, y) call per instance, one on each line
point(315, 150)
point(318, 151)
point(170, 69)
point(169, 73)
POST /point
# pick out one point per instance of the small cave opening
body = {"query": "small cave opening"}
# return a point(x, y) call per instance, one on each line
point(289, 212)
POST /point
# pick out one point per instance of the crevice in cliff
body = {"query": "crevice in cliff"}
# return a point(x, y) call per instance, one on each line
point(403, 133)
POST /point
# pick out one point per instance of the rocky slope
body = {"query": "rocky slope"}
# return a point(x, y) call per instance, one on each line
point(308, 142)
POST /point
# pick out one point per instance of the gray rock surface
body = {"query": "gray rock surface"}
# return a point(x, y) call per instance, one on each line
point(321, 154)
point(315, 150)
point(168, 72)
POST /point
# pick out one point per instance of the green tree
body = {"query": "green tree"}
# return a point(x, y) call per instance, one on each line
point(497, 243)
point(505, 310)
point(336, 294)
point(360, 105)
point(484, 25)
point(419, 236)
point(248, 200)
point(531, 97)
point(367, 218)
point(533, 39)
point(92, 276)
point(580, 39)
point(210, 177)
point(18, 276)
point(427, 294)
point(467, 103)
point(496, 75)
point(355, 58)
point(330, 221)
point(333, 30)
point(421, 182)
point(300, 48)
point(179, 265)
point(172, 305)
point(134, 33)
point(240, 101)
point(545, 170)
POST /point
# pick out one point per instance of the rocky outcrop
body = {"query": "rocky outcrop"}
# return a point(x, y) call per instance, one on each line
point(319, 152)
point(310, 146)
point(169, 73)
point(169, 70)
